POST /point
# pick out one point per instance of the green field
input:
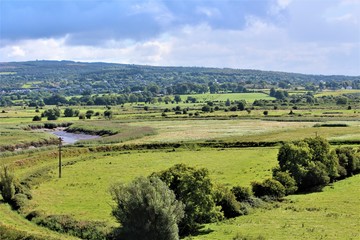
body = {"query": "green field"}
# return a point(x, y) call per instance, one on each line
point(137, 142)
point(331, 214)
point(222, 97)
point(338, 92)
point(62, 196)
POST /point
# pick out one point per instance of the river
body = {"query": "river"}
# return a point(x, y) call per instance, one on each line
point(70, 138)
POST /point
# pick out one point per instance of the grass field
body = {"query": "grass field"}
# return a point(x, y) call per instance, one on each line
point(13, 222)
point(248, 97)
point(81, 194)
point(331, 214)
point(337, 92)
point(242, 130)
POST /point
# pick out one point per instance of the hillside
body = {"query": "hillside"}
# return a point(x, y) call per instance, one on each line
point(102, 77)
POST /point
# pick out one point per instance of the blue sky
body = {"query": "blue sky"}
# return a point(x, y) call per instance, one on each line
point(305, 36)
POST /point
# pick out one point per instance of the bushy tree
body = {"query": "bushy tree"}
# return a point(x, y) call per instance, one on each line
point(193, 187)
point(286, 180)
point(227, 201)
point(269, 187)
point(177, 99)
point(241, 105)
point(108, 114)
point(36, 118)
point(147, 209)
point(310, 162)
point(69, 112)
point(349, 161)
point(242, 194)
point(7, 184)
point(51, 114)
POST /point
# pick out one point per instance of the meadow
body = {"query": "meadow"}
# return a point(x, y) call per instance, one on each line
point(222, 97)
point(123, 153)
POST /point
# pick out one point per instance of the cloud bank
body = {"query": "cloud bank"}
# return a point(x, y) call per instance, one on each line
point(319, 36)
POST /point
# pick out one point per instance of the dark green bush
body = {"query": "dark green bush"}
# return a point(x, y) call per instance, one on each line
point(19, 201)
point(227, 201)
point(7, 184)
point(242, 194)
point(269, 187)
point(286, 180)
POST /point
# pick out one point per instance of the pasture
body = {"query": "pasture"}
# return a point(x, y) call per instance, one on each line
point(330, 214)
point(82, 192)
point(222, 97)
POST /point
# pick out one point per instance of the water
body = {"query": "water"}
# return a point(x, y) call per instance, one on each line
point(70, 138)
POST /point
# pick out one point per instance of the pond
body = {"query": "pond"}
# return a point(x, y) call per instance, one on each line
point(70, 138)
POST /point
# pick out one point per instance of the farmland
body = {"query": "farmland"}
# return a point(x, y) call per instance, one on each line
point(235, 133)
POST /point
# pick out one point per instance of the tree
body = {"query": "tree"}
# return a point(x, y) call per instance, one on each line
point(108, 114)
point(227, 103)
point(227, 201)
point(241, 105)
point(51, 114)
point(147, 209)
point(349, 161)
point(69, 112)
point(36, 118)
point(310, 162)
point(7, 184)
point(341, 100)
point(177, 99)
point(193, 187)
point(272, 92)
point(286, 180)
point(89, 114)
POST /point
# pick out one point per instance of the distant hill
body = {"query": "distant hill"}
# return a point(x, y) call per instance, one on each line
point(122, 77)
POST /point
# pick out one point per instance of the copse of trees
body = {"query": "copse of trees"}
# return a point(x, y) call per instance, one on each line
point(193, 187)
point(310, 162)
point(51, 114)
point(307, 165)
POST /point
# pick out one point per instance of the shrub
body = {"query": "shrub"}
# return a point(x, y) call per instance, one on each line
point(147, 209)
point(227, 201)
point(66, 224)
point(242, 194)
point(7, 184)
point(266, 113)
point(206, 108)
point(349, 161)
point(286, 180)
point(36, 118)
point(19, 201)
point(269, 187)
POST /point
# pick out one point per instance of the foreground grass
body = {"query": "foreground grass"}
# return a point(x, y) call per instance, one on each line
point(83, 189)
point(14, 226)
point(331, 214)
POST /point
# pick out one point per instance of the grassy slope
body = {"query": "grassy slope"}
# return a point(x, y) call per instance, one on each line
point(331, 214)
point(14, 222)
point(81, 194)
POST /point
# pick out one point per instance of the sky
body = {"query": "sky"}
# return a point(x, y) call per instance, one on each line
point(303, 36)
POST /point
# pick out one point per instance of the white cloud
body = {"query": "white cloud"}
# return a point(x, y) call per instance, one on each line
point(16, 51)
point(305, 43)
point(259, 46)
point(208, 11)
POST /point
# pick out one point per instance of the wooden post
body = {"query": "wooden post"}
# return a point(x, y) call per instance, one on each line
point(60, 144)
